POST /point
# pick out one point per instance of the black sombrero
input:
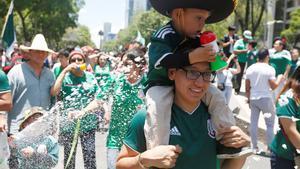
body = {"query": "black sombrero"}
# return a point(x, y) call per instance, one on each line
point(220, 9)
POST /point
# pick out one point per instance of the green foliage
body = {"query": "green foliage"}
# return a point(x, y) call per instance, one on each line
point(294, 26)
point(49, 17)
point(76, 36)
point(249, 14)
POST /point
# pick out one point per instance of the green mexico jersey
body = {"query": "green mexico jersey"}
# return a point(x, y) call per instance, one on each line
point(57, 70)
point(193, 132)
point(251, 58)
point(127, 99)
point(77, 93)
point(4, 85)
point(105, 81)
point(241, 45)
point(279, 60)
point(286, 108)
point(163, 42)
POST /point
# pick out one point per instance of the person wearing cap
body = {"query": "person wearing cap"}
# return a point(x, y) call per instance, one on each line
point(281, 60)
point(187, 21)
point(229, 40)
point(5, 100)
point(42, 154)
point(260, 80)
point(79, 89)
point(192, 138)
point(240, 49)
point(286, 143)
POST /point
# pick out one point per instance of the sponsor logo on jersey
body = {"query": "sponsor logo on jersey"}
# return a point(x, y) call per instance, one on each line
point(210, 129)
point(174, 131)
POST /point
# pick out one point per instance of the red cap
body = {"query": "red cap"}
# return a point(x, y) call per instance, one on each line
point(207, 37)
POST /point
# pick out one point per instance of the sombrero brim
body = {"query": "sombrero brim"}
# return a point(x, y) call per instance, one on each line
point(220, 9)
point(26, 48)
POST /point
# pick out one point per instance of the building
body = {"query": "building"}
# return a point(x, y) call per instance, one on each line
point(106, 30)
point(133, 7)
point(278, 16)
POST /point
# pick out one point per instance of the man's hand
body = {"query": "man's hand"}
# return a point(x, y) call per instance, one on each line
point(163, 156)
point(233, 137)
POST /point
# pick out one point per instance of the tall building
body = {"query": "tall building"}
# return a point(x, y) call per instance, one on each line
point(106, 30)
point(133, 7)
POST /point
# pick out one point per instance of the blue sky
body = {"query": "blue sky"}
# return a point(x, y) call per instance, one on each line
point(96, 12)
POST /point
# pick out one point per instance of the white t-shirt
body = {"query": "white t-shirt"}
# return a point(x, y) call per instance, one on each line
point(259, 75)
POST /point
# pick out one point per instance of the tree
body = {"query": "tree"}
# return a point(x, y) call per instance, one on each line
point(79, 36)
point(294, 26)
point(249, 14)
point(50, 17)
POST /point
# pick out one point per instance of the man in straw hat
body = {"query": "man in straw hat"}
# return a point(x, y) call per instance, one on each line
point(31, 83)
point(187, 21)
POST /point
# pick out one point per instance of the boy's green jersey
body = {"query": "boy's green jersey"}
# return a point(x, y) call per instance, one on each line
point(163, 42)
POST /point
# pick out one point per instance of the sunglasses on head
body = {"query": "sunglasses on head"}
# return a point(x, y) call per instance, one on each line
point(74, 60)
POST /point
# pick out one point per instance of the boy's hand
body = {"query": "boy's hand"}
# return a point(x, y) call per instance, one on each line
point(27, 152)
point(202, 54)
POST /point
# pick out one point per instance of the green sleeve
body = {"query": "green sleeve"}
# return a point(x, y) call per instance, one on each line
point(157, 50)
point(4, 85)
point(286, 107)
point(135, 137)
point(237, 45)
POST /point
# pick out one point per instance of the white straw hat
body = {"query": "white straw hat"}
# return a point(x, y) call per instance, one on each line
point(38, 43)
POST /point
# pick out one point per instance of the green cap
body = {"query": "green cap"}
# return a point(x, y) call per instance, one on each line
point(218, 64)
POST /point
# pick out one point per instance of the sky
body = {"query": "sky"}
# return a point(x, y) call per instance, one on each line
point(96, 12)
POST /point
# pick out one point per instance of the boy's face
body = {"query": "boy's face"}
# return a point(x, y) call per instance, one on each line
point(194, 21)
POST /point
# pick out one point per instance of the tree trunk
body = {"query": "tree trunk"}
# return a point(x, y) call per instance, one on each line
point(24, 28)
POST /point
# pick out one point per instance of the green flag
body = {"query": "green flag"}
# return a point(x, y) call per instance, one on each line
point(8, 35)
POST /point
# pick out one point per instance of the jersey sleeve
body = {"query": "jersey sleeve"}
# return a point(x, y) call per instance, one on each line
point(286, 106)
point(4, 85)
point(135, 137)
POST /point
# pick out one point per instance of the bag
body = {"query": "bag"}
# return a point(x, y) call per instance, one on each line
point(221, 86)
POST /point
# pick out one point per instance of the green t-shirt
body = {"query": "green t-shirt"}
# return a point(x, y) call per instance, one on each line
point(127, 99)
point(163, 42)
point(193, 132)
point(4, 85)
point(57, 70)
point(105, 81)
point(77, 93)
point(286, 108)
point(251, 58)
point(241, 45)
point(279, 60)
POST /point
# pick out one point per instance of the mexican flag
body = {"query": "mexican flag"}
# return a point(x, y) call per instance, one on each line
point(8, 35)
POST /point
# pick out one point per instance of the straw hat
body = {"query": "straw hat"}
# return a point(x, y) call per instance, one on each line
point(219, 9)
point(38, 43)
point(30, 112)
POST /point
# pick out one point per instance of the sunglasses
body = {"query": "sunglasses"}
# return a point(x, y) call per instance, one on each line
point(74, 60)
